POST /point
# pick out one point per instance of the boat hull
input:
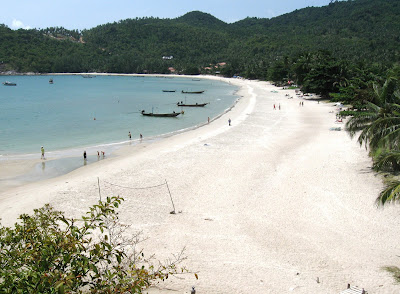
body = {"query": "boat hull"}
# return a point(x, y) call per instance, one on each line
point(9, 84)
point(194, 92)
point(192, 105)
point(174, 114)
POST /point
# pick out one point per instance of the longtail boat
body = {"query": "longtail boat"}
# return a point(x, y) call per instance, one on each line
point(173, 114)
point(192, 92)
point(191, 105)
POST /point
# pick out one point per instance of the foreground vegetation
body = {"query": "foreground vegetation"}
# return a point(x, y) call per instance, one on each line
point(49, 253)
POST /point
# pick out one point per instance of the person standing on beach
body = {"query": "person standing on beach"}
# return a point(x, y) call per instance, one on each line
point(229, 121)
point(42, 149)
point(141, 136)
point(274, 107)
point(129, 135)
point(84, 155)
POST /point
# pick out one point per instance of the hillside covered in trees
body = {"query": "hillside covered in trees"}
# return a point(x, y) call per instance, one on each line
point(360, 32)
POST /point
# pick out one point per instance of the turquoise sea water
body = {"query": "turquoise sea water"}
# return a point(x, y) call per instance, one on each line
point(77, 113)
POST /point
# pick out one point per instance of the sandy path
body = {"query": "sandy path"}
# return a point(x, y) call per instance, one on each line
point(269, 204)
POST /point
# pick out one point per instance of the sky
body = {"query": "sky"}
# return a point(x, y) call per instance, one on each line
point(86, 14)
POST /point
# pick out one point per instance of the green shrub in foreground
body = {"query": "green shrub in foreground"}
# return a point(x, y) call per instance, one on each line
point(49, 253)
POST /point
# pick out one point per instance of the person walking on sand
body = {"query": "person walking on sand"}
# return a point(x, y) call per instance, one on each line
point(279, 106)
point(229, 121)
point(141, 136)
point(42, 150)
point(129, 135)
point(274, 107)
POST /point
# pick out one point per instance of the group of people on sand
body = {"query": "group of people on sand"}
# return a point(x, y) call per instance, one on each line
point(279, 106)
point(339, 118)
point(103, 154)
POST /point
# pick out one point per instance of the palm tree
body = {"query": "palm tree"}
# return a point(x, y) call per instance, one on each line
point(379, 128)
point(380, 123)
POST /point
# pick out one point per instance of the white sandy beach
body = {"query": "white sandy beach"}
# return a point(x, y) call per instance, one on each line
point(268, 205)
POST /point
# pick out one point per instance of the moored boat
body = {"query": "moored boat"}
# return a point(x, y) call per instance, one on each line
point(191, 105)
point(192, 92)
point(173, 114)
point(169, 91)
point(6, 83)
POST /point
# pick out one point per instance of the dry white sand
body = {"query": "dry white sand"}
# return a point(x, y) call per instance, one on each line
point(269, 205)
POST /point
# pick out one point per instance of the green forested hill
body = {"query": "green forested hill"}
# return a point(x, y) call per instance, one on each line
point(140, 44)
point(355, 30)
point(359, 31)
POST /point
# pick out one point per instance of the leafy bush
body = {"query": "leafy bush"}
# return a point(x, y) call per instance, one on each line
point(50, 253)
point(346, 113)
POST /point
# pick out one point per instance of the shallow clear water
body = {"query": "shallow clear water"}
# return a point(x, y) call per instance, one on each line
point(76, 112)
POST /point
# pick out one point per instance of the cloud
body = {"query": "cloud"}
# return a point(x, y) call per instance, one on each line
point(17, 24)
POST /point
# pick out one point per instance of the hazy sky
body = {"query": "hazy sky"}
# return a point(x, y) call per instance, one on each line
point(85, 14)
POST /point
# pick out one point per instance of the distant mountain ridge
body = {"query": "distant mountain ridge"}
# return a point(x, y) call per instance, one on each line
point(358, 31)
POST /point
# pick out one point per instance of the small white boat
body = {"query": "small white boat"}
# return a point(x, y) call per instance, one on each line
point(9, 84)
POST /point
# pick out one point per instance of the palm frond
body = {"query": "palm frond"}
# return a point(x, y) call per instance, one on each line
point(378, 93)
point(387, 161)
point(372, 107)
point(391, 137)
point(390, 194)
point(359, 121)
point(395, 271)
point(384, 131)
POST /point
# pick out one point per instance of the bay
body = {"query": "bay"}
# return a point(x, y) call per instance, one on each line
point(76, 113)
